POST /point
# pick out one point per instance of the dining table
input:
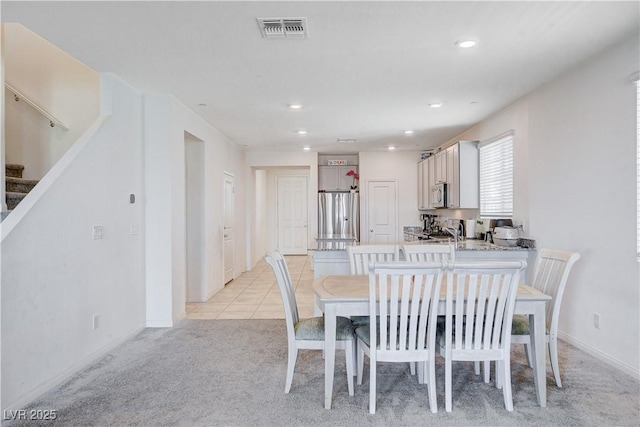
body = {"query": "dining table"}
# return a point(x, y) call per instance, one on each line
point(348, 295)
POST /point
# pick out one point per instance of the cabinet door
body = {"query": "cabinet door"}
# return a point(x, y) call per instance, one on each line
point(328, 178)
point(431, 180)
point(453, 176)
point(441, 167)
point(421, 204)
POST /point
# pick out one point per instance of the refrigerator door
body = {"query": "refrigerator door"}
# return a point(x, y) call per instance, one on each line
point(339, 215)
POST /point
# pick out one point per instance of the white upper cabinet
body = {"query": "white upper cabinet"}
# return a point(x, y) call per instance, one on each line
point(463, 175)
point(431, 179)
point(332, 178)
point(453, 176)
point(440, 167)
point(421, 183)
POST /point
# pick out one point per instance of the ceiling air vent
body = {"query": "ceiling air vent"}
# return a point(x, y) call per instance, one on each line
point(293, 28)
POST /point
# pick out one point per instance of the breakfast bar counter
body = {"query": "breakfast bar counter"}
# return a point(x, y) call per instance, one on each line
point(336, 261)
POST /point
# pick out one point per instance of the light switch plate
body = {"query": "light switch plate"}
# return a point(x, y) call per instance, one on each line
point(98, 232)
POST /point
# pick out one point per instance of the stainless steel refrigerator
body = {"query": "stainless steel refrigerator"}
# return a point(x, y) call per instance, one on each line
point(339, 214)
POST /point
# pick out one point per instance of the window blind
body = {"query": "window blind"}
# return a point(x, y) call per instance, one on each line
point(496, 177)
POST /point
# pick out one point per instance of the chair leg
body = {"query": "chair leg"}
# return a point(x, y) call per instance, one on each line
point(487, 371)
point(372, 385)
point(421, 370)
point(291, 364)
point(348, 355)
point(412, 368)
point(553, 356)
point(527, 352)
point(476, 367)
point(447, 385)
point(505, 366)
point(431, 382)
point(360, 362)
point(499, 376)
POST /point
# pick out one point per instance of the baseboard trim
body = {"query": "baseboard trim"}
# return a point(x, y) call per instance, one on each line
point(627, 369)
point(159, 324)
point(65, 375)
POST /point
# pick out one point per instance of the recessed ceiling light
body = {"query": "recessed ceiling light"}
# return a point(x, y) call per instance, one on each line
point(295, 106)
point(436, 105)
point(465, 44)
point(306, 148)
point(392, 148)
point(302, 132)
point(408, 132)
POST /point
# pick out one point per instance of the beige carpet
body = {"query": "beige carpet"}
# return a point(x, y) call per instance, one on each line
point(232, 373)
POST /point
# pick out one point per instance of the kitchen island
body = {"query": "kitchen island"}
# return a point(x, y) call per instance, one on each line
point(336, 261)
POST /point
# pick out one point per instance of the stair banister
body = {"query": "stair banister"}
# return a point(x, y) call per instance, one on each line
point(19, 96)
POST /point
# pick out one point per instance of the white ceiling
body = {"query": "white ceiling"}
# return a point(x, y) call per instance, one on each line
point(367, 71)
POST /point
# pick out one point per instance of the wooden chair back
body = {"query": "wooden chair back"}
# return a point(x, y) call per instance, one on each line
point(405, 296)
point(550, 275)
point(429, 252)
point(361, 256)
point(279, 265)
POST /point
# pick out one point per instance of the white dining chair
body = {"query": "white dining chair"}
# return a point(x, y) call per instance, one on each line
point(550, 276)
point(480, 331)
point(362, 255)
point(405, 295)
point(429, 252)
point(308, 334)
point(359, 259)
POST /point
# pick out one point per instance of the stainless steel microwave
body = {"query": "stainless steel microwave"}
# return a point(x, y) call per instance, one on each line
point(439, 196)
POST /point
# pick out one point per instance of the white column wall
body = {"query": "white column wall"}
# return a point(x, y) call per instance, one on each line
point(166, 121)
point(55, 276)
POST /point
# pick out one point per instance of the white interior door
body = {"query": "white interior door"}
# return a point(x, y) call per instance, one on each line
point(228, 243)
point(292, 214)
point(382, 211)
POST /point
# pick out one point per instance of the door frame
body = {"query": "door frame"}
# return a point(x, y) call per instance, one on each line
point(224, 201)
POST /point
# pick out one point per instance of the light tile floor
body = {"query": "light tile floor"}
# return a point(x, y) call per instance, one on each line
point(255, 294)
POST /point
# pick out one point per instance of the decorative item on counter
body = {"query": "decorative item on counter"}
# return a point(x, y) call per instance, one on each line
point(526, 243)
point(479, 229)
point(355, 176)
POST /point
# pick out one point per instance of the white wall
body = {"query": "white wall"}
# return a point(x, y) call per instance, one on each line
point(57, 82)
point(392, 165)
point(55, 277)
point(575, 175)
point(166, 121)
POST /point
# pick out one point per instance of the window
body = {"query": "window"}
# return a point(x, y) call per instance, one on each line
point(496, 177)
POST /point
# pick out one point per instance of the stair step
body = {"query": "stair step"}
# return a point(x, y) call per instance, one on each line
point(20, 185)
point(14, 198)
point(13, 170)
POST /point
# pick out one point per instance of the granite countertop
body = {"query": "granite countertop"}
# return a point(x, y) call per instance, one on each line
point(473, 245)
point(465, 245)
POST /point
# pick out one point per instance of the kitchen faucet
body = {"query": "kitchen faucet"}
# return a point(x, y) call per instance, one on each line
point(456, 232)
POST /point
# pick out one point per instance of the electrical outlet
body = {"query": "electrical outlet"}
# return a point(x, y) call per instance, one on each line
point(96, 321)
point(596, 320)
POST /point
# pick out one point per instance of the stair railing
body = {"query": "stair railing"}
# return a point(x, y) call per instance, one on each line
point(19, 96)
